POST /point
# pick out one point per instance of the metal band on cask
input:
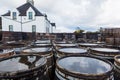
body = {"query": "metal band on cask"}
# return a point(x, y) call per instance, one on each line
point(71, 51)
point(23, 67)
point(117, 67)
point(76, 67)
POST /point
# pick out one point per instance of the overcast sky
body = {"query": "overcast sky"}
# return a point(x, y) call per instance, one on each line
point(89, 15)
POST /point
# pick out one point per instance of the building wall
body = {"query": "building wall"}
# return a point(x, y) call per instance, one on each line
point(23, 24)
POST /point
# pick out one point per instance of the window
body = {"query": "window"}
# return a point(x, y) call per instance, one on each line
point(30, 15)
point(33, 28)
point(14, 14)
point(10, 27)
point(47, 30)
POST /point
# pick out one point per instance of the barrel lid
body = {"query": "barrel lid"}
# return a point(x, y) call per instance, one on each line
point(105, 50)
point(21, 63)
point(72, 50)
point(15, 43)
point(42, 41)
point(84, 65)
point(43, 45)
point(88, 44)
point(37, 49)
point(66, 45)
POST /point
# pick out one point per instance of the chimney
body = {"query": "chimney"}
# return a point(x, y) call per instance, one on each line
point(31, 2)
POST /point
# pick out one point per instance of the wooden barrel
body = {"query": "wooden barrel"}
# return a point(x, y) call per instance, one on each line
point(18, 50)
point(43, 51)
point(23, 67)
point(106, 53)
point(42, 45)
point(13, 44)
point(101, 44)
point(4, 53)
point(76, 67)
point(42, 42)
point(117, 67)
point(70, 51)
point(86, 45)
point(65, 45)
point(60, 42)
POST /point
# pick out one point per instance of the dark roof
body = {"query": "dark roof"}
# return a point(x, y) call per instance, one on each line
point(6, 14)
point(23, 9)
point(53, 24)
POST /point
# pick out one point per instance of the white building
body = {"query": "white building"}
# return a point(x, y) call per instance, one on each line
point(26, 18)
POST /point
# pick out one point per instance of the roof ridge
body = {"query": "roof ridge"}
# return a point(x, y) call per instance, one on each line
point(23, 9)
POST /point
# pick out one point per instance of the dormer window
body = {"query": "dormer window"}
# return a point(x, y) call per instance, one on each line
point(30, 15)
point(14, 15)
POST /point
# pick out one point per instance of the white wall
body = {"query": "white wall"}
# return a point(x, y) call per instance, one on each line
point(40, 25)
point(6, 21)
point(40, 22)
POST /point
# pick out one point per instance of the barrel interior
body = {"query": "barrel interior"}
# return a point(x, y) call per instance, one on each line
point(23, 67)
point(83, 67)
point(71, 51)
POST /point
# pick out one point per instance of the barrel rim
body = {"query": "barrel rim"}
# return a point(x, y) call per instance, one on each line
point(64, 45)
point(88, 44)
point(50, 50)
point(41, 45)
point(25, 70)
point(77, 75)
point(85, 51)
point(60, 42)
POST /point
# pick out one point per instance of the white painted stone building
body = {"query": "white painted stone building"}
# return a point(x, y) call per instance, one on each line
point(26, 18)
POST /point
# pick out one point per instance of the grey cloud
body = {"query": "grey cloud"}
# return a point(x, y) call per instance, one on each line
point(67, 13)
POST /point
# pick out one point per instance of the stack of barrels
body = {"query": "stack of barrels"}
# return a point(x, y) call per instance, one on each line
point(25, 61)
point(58, 60)
point(43, 48)
point(74, 62)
